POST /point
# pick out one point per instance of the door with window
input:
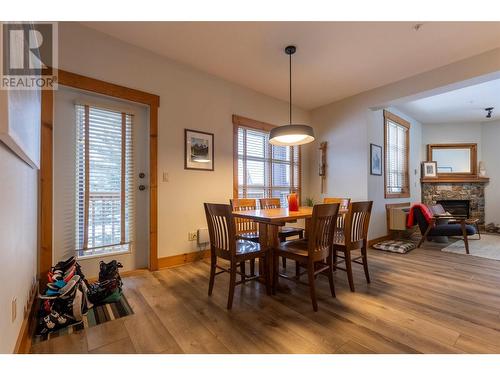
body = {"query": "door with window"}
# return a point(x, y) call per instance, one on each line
point(101, 173)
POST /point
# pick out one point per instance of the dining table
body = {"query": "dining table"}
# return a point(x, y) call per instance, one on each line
point(269, 221)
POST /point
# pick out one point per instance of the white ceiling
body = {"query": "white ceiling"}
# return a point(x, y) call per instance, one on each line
point(334, 60)
point(458, 106)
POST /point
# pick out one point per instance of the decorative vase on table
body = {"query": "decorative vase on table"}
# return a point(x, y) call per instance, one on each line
point(293, 202)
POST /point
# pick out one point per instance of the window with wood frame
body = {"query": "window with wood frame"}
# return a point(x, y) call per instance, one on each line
point(397, 154)
point(105, 218)
point(262, 170)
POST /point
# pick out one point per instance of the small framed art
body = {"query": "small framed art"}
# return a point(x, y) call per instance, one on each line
point(429, 169)
point(375, 160)
point(198, 150)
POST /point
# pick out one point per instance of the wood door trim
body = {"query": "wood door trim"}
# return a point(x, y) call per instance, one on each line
point(81, 82)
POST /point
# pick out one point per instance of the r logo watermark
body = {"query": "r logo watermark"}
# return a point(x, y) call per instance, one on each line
point(28, 56)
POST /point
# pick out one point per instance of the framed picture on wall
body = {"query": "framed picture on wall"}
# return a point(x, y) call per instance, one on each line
point(375, 160)
point(429, 169)
point(198, 150)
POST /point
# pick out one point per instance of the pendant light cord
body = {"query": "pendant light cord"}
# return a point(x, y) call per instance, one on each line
point(290, 100)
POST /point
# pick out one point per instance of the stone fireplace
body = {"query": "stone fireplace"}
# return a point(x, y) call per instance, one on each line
point(432, 192)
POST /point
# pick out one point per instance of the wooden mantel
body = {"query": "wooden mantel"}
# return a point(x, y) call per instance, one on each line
point(461, 179)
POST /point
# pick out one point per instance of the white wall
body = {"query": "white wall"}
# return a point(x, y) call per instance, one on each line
point(18, 241)
point(188, 99)
point(349, 124)
point(491, 157)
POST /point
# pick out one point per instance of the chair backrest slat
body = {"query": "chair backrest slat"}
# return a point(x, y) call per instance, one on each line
point(269, 203)
point(322, 230)
point(244, 204)
point(221, 228)
point(357, 222)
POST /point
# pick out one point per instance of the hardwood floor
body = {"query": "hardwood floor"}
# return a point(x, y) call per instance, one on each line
point(426, 301)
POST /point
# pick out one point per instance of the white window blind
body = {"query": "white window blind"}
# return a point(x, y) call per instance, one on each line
point(396, 156)
point(264, 170)
point(104, 181)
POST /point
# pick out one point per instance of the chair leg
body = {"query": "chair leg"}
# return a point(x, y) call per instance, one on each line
point(348, 267)
point(232, 284)
point(312, 288)
point(466, 240)
point(242, 270)
point(365, 263)
point(424, 236)
point(283, 259)
point(252, 267)
point(330, 275)
point(334, 255)
point(213, 264)
point(297, 270)
point(478, 232)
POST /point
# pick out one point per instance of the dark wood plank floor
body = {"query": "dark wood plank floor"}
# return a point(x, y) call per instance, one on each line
point(426, 301)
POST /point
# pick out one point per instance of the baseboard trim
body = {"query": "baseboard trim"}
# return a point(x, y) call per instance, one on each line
point(379, 239)
point(23, 343)
point(179, 260)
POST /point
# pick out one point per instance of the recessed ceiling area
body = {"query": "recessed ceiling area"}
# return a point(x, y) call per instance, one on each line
point(334, 60)
point(458, 106)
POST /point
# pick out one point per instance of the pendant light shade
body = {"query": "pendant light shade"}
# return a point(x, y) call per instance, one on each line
point(291, 134)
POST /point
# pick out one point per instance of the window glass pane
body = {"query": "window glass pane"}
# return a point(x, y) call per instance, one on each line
point(106, 153)
point(396, 157)
point(255, 171)
point(281, 175)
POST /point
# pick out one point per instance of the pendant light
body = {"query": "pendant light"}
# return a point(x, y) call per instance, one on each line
point(291, 134)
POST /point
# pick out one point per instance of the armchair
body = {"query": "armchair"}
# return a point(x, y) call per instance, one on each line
point(430, 225)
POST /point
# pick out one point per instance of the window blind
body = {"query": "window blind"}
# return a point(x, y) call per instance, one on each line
point(105, 220)
point(264, 170)
point(396, 156)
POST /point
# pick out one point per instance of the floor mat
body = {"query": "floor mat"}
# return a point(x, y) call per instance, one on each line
point(487, 247)
point(95, 316)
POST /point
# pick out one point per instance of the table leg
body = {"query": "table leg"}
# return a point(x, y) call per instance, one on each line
point(269, 239)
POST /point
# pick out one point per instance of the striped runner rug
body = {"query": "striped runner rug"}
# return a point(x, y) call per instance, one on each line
point(95, 316)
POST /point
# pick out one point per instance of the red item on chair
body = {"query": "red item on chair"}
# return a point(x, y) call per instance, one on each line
point(293, 202)
point(425, 210)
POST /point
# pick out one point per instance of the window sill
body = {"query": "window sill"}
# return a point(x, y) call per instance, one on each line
point(396, 195)
point(103, 255)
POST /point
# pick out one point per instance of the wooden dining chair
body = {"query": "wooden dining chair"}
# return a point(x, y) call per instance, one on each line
point(353, 236)
point(284, 232)
point(313, 251)
point(344, 207)
point(246, 229)
point(343, 202)
point(224, 244)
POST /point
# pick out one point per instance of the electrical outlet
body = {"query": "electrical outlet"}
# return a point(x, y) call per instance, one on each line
point(14, 309)
point(192, 236)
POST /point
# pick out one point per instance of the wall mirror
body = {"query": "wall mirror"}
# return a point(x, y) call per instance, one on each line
point(454, 159)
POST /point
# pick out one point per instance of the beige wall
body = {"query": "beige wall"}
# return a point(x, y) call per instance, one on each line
point(349, 124)
point(18, 241)
point(189, 99)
